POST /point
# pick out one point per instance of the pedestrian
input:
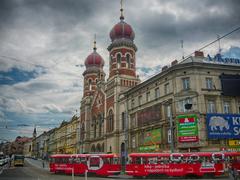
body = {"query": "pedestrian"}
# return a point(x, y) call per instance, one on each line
point(43, 164)
point(233, 173)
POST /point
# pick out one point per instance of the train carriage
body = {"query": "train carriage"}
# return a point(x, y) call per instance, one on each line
point(175, 164)
point(97, 164)
point(59, 163)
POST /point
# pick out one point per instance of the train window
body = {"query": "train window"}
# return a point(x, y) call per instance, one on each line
point(163, 160)
point(144, 160)
point(152, 160)
point(193, 158)
point(138, 160)
point(77, 160)
point(94, 162)
point(115, 160)
point(111, 160)
point(106, 161)
point(83, 160)
point(207, 162)
point(71, 160)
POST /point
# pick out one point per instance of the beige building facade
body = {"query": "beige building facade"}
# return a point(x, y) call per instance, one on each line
point(195, 82)
point(27, 148)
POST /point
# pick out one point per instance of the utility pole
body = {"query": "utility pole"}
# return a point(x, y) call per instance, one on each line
point(169, 114)
point(182, 43)
point(79, 137)
point(126, 133)
point(219, 44)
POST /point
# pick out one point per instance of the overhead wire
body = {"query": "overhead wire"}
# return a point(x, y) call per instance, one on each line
point(221, 37)
point(201, 48)
point(212, 42)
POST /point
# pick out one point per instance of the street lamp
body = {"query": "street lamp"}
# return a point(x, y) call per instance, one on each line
point(169, 114)
point(188, 106)
point(126, 134)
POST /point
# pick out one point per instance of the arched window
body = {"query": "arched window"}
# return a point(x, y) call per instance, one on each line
point(123, 121)
point(82, 131)
point(110, 124)
point(98, 149)
point(93, 148)
point(128, 61)
point(118, 61)
point(102, 147)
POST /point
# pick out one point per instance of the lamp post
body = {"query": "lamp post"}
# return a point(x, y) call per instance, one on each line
point(169, 114)
point(126, 133)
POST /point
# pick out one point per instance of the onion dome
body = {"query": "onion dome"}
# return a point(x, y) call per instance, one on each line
point(94, 59)
point(122, 29)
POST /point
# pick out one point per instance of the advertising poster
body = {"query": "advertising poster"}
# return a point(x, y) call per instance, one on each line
point(187, 126)
point(223, 126)
point(151, 141)
point(152, 137)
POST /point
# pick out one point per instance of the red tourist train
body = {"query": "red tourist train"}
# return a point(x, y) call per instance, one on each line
point(148, 164)
point(98, 164)
point(182, 164)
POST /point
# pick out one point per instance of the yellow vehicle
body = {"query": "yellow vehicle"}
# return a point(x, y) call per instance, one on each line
point(18, 160)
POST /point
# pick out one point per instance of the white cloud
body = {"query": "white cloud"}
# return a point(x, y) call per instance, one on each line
point(58, 36)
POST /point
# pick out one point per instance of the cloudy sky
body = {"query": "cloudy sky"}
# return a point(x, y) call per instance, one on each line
point(43, 45)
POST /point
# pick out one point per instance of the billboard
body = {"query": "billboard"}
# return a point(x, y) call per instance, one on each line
point(149, 115)
point(152, 137)
point(187, 128)
point(230, 84)
point(223, 126)
point(234, 143)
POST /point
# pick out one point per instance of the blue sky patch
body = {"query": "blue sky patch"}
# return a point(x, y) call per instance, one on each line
point(233, 52)
point(16, 75)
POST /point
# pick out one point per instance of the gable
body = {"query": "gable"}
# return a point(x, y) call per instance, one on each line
point(98, 105)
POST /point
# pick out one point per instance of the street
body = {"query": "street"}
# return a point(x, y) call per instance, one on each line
point(32, 170)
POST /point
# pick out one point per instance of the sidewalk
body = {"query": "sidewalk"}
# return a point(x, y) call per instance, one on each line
point(38, 163)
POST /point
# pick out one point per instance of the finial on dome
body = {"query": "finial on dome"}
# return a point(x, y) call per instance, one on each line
point(94, 43)
point(121, 17)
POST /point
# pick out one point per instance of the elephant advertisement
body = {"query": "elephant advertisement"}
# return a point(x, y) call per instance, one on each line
point(223, 126)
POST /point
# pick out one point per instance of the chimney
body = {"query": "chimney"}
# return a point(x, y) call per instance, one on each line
point(174, 62)
point(164, 68)
point(198, 54)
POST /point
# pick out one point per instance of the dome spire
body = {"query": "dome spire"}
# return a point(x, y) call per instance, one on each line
point(121, 10)
point(94, 43)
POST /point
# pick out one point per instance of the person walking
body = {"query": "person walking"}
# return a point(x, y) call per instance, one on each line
point(234, 173)
point(43, 163)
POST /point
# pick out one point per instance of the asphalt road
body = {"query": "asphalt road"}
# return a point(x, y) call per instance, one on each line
point(29, 172)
